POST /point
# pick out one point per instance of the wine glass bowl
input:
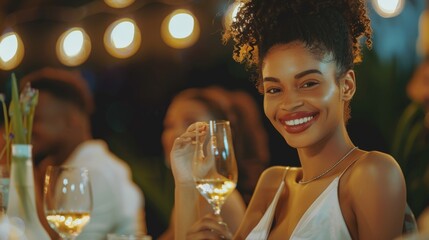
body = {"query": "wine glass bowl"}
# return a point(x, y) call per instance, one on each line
point(67, 199)
point(214, 165)
point(4, 188)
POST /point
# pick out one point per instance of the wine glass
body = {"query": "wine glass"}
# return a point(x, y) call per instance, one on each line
point(67, 199)
point(214, 165)
point(4, 188)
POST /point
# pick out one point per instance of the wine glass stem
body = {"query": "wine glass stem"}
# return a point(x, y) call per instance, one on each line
point(216, 210)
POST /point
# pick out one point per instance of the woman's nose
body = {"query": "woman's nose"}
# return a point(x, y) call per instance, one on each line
point(291, 101)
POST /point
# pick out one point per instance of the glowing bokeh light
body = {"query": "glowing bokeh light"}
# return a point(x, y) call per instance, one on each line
point(8, 47)
point(180, 29)
point(181, 25)
point(118, 3)
point(388, 8)
point(123, 34)
point(73, 47)
point(122, 38)
point(73, 43)
point(231, 14)
point(11, 51)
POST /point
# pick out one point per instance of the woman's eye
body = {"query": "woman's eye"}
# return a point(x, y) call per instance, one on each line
point(309, 84)
point(272, 90)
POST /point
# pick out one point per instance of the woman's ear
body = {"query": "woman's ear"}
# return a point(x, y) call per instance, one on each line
point(348, 85)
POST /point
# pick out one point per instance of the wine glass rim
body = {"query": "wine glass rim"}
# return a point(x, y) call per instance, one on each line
point(67, 167)
point(218, 121)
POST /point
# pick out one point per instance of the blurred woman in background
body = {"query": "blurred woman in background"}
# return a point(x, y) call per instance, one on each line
point(249, 137)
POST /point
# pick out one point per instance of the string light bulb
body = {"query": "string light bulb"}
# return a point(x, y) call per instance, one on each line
point(180, 29)
point(73, 47)
point(388, 8)
point(119, 3)
point(122, 38)
point(231, 14)
point(11, 50)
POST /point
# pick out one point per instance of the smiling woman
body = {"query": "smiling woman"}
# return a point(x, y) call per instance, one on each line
point(304, 53)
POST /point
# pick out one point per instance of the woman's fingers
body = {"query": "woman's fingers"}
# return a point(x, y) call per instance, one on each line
point(195, 130)
point(210, 227)
point(183, 152)
point(207, 234)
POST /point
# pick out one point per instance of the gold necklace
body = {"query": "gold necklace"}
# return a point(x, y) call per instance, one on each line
point(329, 169)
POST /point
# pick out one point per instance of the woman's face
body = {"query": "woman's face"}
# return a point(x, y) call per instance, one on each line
point(301, 97)
point(180, 114)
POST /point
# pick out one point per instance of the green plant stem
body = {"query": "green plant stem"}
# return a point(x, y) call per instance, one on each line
point(29, 125)
point(16, 117)
point(7, 134)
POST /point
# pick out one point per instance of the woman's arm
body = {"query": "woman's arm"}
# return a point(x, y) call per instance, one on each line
point(378, 194)
point(185, 196)
point(186, 207)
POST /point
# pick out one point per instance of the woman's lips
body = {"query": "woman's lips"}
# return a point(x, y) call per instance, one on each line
point(298, 122)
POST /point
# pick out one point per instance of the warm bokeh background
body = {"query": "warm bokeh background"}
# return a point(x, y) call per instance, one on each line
point(132, 94)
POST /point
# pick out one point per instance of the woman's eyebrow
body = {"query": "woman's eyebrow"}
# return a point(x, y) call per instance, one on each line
point(306, 72)
point(271, 79)
point(297, 76)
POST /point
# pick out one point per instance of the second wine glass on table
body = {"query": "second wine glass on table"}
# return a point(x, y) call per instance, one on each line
point(214, 165)
point(67, 199)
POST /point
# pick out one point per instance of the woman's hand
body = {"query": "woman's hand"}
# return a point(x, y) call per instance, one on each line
point(183, 152)
point(209, 227)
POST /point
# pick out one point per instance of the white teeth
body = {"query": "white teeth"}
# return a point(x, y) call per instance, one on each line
point(295, 122)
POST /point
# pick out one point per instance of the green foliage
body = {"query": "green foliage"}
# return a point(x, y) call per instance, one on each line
point(411, 149)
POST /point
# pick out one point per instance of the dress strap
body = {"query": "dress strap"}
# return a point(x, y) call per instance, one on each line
point(284, 173)
point(263, 228)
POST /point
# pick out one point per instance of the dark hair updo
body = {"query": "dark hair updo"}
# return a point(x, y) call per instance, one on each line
point(324, 26)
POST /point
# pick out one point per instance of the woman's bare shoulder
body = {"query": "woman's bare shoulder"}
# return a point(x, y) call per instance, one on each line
point(378, 170)
point(374, 163)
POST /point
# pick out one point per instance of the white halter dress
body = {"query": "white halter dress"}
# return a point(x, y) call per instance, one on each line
point(322, 220)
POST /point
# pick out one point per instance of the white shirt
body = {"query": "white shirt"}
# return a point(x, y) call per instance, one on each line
point(118, 203)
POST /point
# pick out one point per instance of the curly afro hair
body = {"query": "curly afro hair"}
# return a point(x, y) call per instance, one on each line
point(324, 26)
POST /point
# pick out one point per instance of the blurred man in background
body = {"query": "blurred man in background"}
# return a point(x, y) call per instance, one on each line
point(62, 136)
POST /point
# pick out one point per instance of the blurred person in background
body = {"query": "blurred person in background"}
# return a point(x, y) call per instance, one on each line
point(411, 144)
point(411, 141)
point(62, 136)
point(249, 138)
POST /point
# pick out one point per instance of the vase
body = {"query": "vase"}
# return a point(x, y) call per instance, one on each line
point(21, 209)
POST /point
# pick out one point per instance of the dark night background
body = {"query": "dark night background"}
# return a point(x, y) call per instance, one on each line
point(132, 94)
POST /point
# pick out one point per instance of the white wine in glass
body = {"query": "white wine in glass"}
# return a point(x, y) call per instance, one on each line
point(67, 199)
point(214, 165)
